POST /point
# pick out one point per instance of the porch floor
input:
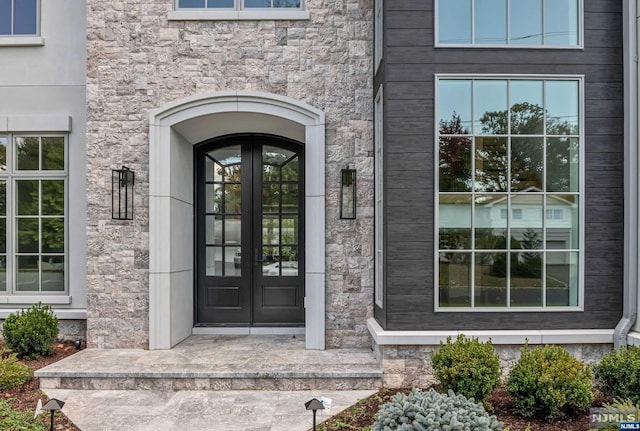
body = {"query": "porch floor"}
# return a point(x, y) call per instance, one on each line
point(218, 362)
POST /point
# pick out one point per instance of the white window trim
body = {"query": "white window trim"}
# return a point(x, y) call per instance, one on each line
point(379, 198)
point(10, 295)
point(436, 29)
point(378, 36)
point(238, 14)
point(581, 201)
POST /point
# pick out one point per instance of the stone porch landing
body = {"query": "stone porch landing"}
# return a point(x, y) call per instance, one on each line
point(218, 362)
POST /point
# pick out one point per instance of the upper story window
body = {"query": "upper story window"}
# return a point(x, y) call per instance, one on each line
point(377, 35)
point(509, 193)
point(239, 4)
point(18, 17)
point(510, 23)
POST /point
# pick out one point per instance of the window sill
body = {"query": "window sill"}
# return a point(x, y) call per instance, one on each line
point(21, 41)
point(479, 46)
point(34, 299)
point(237, 15)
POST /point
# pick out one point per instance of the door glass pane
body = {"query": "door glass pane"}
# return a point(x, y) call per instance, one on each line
point(232, 229)
point(454, 106)
point(28, 153)
point(561, 22)
point(454, 21)
point(526, 222)
point(491, 280)
point(526, 22)
point(490, 110)
point(270, 198)
point(270, 230)
point(289, 262)
point(527, 164)
point(527, 112)
point(52, 273)
point(232, 198)
point(491, 22)
point(290, 198)
point(213, 229)
point(562, 279)
point(28, 277)
point(290, 170)
point(233, 173)
point(270, 261)
point(455, 279)
point(53, 153)
point(491, 164)
point(455, 222)
point(562, 103)
point(53, 235)
point(214, 261)
point(563, 165)
point(290, 230)
point(214, 198)
point(490, 226)
point(208, 169)
point(562, 222)
point(526, 279)
point(231, 269)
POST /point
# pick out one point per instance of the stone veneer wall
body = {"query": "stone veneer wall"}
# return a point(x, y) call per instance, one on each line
point(410, 366)
point(138, 61)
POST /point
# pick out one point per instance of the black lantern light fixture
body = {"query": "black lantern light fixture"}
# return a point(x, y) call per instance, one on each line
point(348, 194)
point(314, 405)
point(122, 182)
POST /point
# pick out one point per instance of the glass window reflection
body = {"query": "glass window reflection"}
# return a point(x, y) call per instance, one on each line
point(490, 22)
point(561, 22)
point(490, 107)
point(454, 22)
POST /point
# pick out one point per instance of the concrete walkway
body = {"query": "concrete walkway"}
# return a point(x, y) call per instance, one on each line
point(144, 410)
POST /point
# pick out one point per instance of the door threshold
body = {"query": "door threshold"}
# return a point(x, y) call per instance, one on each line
point(212, 330)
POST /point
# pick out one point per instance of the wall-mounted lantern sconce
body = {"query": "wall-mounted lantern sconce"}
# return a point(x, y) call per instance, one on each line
point(122, 182)
point(348, 194)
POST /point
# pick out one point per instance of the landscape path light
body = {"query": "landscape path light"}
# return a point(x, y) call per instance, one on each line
point(314, 405)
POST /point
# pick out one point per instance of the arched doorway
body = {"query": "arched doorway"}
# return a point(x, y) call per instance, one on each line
point(174, 131)
point(249, 231)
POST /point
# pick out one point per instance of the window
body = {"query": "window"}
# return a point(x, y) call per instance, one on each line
point(516, 23)
point(509, 146)
point(378, 31)
point(379, 203)
point(18, 17)
point(239, 4)
point(32, 214)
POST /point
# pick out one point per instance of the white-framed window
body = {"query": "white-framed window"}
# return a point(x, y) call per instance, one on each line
point(239, 4)
point(378, 34)
point(379, 197)
point(230, 10)
point(509, 23)
point(33, 214)
point(509, 145)
point(19, 17)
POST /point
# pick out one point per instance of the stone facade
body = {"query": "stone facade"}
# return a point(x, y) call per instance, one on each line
point(137, 61)
point(410, 366)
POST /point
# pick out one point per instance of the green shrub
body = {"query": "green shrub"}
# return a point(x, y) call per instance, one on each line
point(12, 372)
point(421, 411)
point(467, 367)
point(18, 421)
point(31, 333)
point(549, 382)
point(618, 374)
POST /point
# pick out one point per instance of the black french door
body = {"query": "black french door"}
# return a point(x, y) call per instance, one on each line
point(250, 231)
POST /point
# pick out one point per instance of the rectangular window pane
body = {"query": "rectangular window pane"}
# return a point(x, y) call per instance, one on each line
point(213, 4)
point(563, 233)
point(289, 262)
point(286, 3)
point(3, 153)
point(455, 164)
point(53, 153)
point(491, 22)
point(454, 107)
point(527, 112)
point(454, 21)
point(25, 16)
point(5, 16)
point(3, 198)
point(3, 235)
point(270, 230)
point(3, 273)
point(52, 197)
point(562, 279)
point(257, 3)
point(526, 22)
point(52, 273)
point(28, 195)
point(53, 235)
point(214, 261)
point(289, 229)
point(28, 235)
point(27, 153)
point(191, 3)
point(490, 107)
point(290, 196)
point(562, 100)
point(561, 22)
point(213, 229)
point(526, 279)
point(28, 274)
point(491, 164)
point(230, 267)
point(491, 280)
point(455, 222)
point(232, 230)
point(490, 222)
point(563, 165)
point(526, 222)
point(232, 198)
point(527, 164)
point(455, 280)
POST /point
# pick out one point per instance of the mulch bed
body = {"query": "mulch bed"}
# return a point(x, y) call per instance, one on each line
point(25, 397)
point(360, 416)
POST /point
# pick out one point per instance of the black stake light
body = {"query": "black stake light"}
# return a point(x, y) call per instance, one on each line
point(314, 405)
point(122, 182)
point(53, 405)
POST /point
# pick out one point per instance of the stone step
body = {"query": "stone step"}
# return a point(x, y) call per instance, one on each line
point(217, 363)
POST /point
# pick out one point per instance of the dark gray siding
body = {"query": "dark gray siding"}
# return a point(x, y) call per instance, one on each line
point(410, 62)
